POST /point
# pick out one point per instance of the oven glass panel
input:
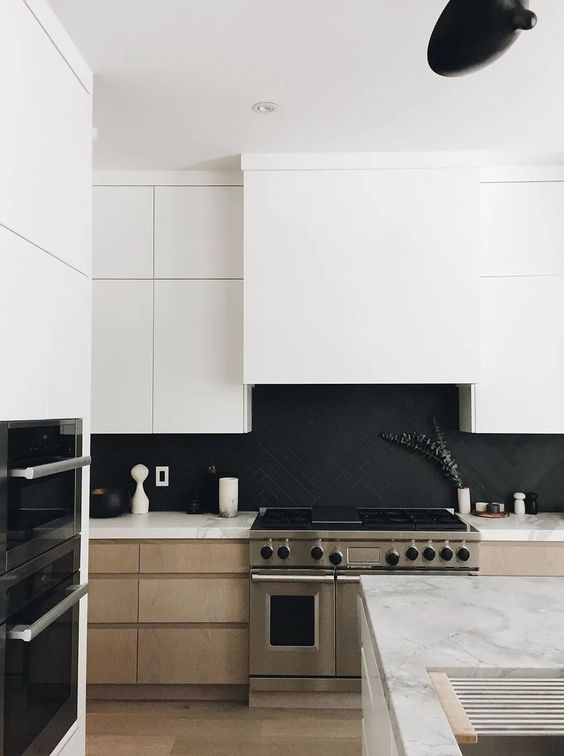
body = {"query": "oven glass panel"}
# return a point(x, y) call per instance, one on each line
point(292, 620)
point(40, 675)
point(41, 511)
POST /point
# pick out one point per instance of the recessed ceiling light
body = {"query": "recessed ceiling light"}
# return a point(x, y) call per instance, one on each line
point(265, 107)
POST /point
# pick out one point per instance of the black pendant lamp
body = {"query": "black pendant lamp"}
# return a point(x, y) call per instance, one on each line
point(472, 33)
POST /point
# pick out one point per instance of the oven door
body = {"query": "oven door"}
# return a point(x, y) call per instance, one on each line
point(292, 624)
point(44, 487)
point(41, 662)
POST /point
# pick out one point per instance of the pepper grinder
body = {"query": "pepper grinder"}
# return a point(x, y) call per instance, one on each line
point(519, 503)
point(531, 503)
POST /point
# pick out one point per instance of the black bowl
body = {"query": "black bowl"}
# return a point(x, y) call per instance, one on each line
point(108, 502)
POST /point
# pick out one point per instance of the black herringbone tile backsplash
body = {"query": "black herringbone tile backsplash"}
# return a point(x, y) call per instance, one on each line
point(321, 445)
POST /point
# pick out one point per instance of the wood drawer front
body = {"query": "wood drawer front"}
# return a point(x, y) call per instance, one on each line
point(195, 557)
point(113, 600)
point(112, 655)
point(522, 559)
point(194, 600)
point(113, 557)
point(194, 656)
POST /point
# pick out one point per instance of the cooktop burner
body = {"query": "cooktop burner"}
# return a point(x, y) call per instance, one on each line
point(410, 519)
point(350, 518)
point(279, 518)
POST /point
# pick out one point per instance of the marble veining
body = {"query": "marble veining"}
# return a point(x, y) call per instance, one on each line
point(506, 626)
point(546, 526)
point(172, 525)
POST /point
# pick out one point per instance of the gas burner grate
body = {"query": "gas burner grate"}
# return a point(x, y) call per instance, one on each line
point(410, 519)
point(285, 517)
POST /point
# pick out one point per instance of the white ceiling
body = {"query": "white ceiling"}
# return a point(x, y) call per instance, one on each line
point(175, 81)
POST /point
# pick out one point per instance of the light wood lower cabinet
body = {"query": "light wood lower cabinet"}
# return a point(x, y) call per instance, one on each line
point(108, 558)
point(168, 613)
point(213, 656)
point(207, 557)
point(113, 600)
point(112, 655)
point(522, 559)
point(194, 600)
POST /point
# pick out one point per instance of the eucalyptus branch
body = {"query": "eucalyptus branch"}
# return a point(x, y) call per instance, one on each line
point(435, 451)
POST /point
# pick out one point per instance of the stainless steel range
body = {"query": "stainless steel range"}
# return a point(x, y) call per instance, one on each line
point(305, 570)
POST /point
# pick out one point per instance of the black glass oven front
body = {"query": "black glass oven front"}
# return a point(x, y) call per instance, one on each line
point(41, 651)
point(43, 487)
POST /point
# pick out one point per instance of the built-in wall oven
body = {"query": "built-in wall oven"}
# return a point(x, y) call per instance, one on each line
point(40, 487)
point(39, 650)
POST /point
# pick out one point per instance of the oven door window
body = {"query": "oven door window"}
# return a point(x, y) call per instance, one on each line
point(37, 507)
point(43, 509)
point(292, 620)
point(41, 686)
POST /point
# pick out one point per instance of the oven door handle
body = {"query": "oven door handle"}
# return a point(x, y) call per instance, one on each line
point(292, 579)
point(27, 633)
point(52, 468)
point(348, 579)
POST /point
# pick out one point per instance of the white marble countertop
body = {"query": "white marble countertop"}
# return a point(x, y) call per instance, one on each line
point(171, 525)
point(547, 526)
point(463, 625)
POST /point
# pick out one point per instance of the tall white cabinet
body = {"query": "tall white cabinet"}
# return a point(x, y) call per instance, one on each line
point(45, 243)
point(168, 309)
point(521, 310)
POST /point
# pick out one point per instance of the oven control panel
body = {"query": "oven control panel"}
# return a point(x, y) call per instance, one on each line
point(456, 552)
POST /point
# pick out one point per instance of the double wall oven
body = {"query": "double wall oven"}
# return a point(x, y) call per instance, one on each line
point(40, 521)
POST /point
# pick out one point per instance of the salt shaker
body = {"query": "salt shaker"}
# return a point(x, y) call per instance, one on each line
point(519, 503)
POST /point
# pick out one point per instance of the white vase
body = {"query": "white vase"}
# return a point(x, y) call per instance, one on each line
point(139, 500)
point(228, 497)
point(464, 502)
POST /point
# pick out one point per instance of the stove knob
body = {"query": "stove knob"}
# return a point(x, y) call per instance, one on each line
point(392, 557)
point(283, 552)
point(446, 553)
point(429, 553)
point(463, 554)
point(412, 553)
point(266, 552)
point(317, 552)
point(335, 557)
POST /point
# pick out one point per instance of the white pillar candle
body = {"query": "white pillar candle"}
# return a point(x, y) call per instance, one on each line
point(228, 496)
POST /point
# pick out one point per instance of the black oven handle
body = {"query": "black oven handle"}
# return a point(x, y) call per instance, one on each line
point(52, 468)
point(27, 633)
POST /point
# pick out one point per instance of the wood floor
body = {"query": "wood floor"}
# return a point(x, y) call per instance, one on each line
point(116, 728)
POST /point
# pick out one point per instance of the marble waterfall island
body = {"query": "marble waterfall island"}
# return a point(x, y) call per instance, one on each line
point(466, 626)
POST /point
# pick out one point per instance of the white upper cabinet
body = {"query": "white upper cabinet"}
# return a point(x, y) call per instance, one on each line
point(198, 232)
point(522, 358)
point(361, 276)
point(123, 232)
point(122, 356)
point(198, 358)
point(522, 228)
point(45, 136)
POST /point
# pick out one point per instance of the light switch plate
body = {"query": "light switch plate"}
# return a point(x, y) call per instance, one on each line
point(161, 476)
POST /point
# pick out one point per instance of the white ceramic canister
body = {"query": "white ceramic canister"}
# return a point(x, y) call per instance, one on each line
point(228, 497)
point(464, 503)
